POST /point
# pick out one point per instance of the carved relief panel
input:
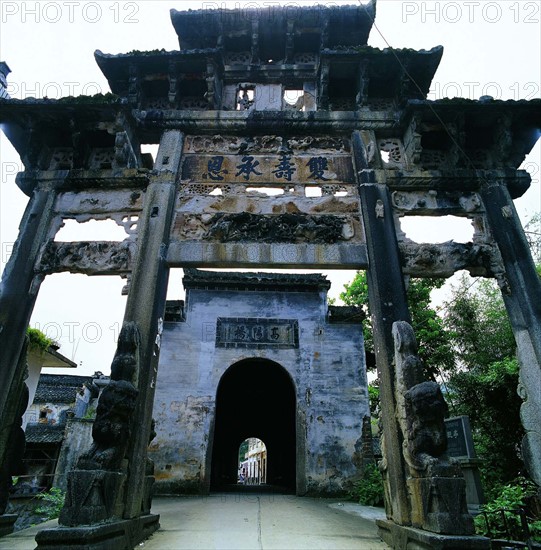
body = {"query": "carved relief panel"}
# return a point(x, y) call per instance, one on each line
point(268, 190)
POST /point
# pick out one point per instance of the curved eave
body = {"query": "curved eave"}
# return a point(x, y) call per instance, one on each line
point(348, 25)
point(526, 112)
point(116, 67)
point(390, 63)
point(525, 115)
point(18, 116)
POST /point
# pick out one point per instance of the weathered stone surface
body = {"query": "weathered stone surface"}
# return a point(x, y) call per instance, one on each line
point(521, 291)
point(284, 228)
point(90, 258)
point(7, 522)
point(399, 537)
point(124, 535)
point(12, 434)
point(435, 482)
point(93, 497)
point(274, 255)
point(445, 259)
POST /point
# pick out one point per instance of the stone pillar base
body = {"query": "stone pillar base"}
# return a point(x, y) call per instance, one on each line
point(7, 521)
point(400, 537)
point(117, 535)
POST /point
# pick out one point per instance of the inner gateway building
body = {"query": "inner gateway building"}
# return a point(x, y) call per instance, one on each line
point(260, 355)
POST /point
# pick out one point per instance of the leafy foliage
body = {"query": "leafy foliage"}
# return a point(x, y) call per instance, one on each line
point(484, 388)
point(53, 501)
point(90, 413)
point(369, 489)
point(373, 396)
point(434, 344)
point(243, 449)
point(501, 512)
point(37, 340)
point(533, 235)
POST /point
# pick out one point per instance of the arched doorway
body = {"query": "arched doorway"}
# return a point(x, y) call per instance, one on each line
point(255, 398)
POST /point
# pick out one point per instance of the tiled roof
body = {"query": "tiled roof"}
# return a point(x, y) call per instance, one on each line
point(196, 278)
point(44, 433)
point(59, 388)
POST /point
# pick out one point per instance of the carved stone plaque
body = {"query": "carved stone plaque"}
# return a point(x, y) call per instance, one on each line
point(241, 332)
point(264, 169)
point(277, 201)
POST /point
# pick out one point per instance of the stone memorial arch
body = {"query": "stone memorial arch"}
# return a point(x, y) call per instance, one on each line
point(357, 148)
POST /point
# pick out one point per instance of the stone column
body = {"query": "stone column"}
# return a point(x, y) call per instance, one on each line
point(521, 290)
point(425, 503)
point(18, 293)
point(388, 303)
point(108, 497)
point(146, 302)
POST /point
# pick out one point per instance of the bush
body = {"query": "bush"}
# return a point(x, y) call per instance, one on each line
point(53, 501)
point(503, 510)
point(369, 489)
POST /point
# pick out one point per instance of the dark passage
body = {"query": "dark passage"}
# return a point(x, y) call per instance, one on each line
point(255, 398)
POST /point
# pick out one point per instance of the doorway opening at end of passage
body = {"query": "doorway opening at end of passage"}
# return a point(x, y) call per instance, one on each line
point(252, 462)
point(255, 398)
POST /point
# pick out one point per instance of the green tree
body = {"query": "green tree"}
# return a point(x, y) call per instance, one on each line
point(533, 234)
point(243, 449)
point(434, 344)
point(484, 387)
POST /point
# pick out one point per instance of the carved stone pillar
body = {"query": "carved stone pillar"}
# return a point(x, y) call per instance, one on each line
point(12, 464)
point(415, 505)
point(108, 500)
point(146, 302)
point(18, 293)
point(388, 303)
point(521, 292)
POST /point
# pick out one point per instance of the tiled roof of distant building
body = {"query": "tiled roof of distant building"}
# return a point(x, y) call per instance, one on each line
point(44, 433)
point(59, 388)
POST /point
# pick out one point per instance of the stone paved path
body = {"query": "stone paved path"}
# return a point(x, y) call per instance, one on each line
point(251, 521)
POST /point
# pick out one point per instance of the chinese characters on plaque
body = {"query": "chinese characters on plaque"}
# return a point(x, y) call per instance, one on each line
point(264, 169)
point(236, 332)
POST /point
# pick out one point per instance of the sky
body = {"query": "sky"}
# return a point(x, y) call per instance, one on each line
point(490, 48)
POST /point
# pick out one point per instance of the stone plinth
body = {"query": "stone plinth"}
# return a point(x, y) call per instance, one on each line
point(7, 521)
point(400, 537)
point(93, 496)
point(118, 535)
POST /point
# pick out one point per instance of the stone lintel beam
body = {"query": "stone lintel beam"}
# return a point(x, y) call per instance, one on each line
point(68, 180)
point(277, 73)
point(516, 181)
point(445, 259)
point(429, 202)
point(88, 258)
point(212, 122)
point(277, 255)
